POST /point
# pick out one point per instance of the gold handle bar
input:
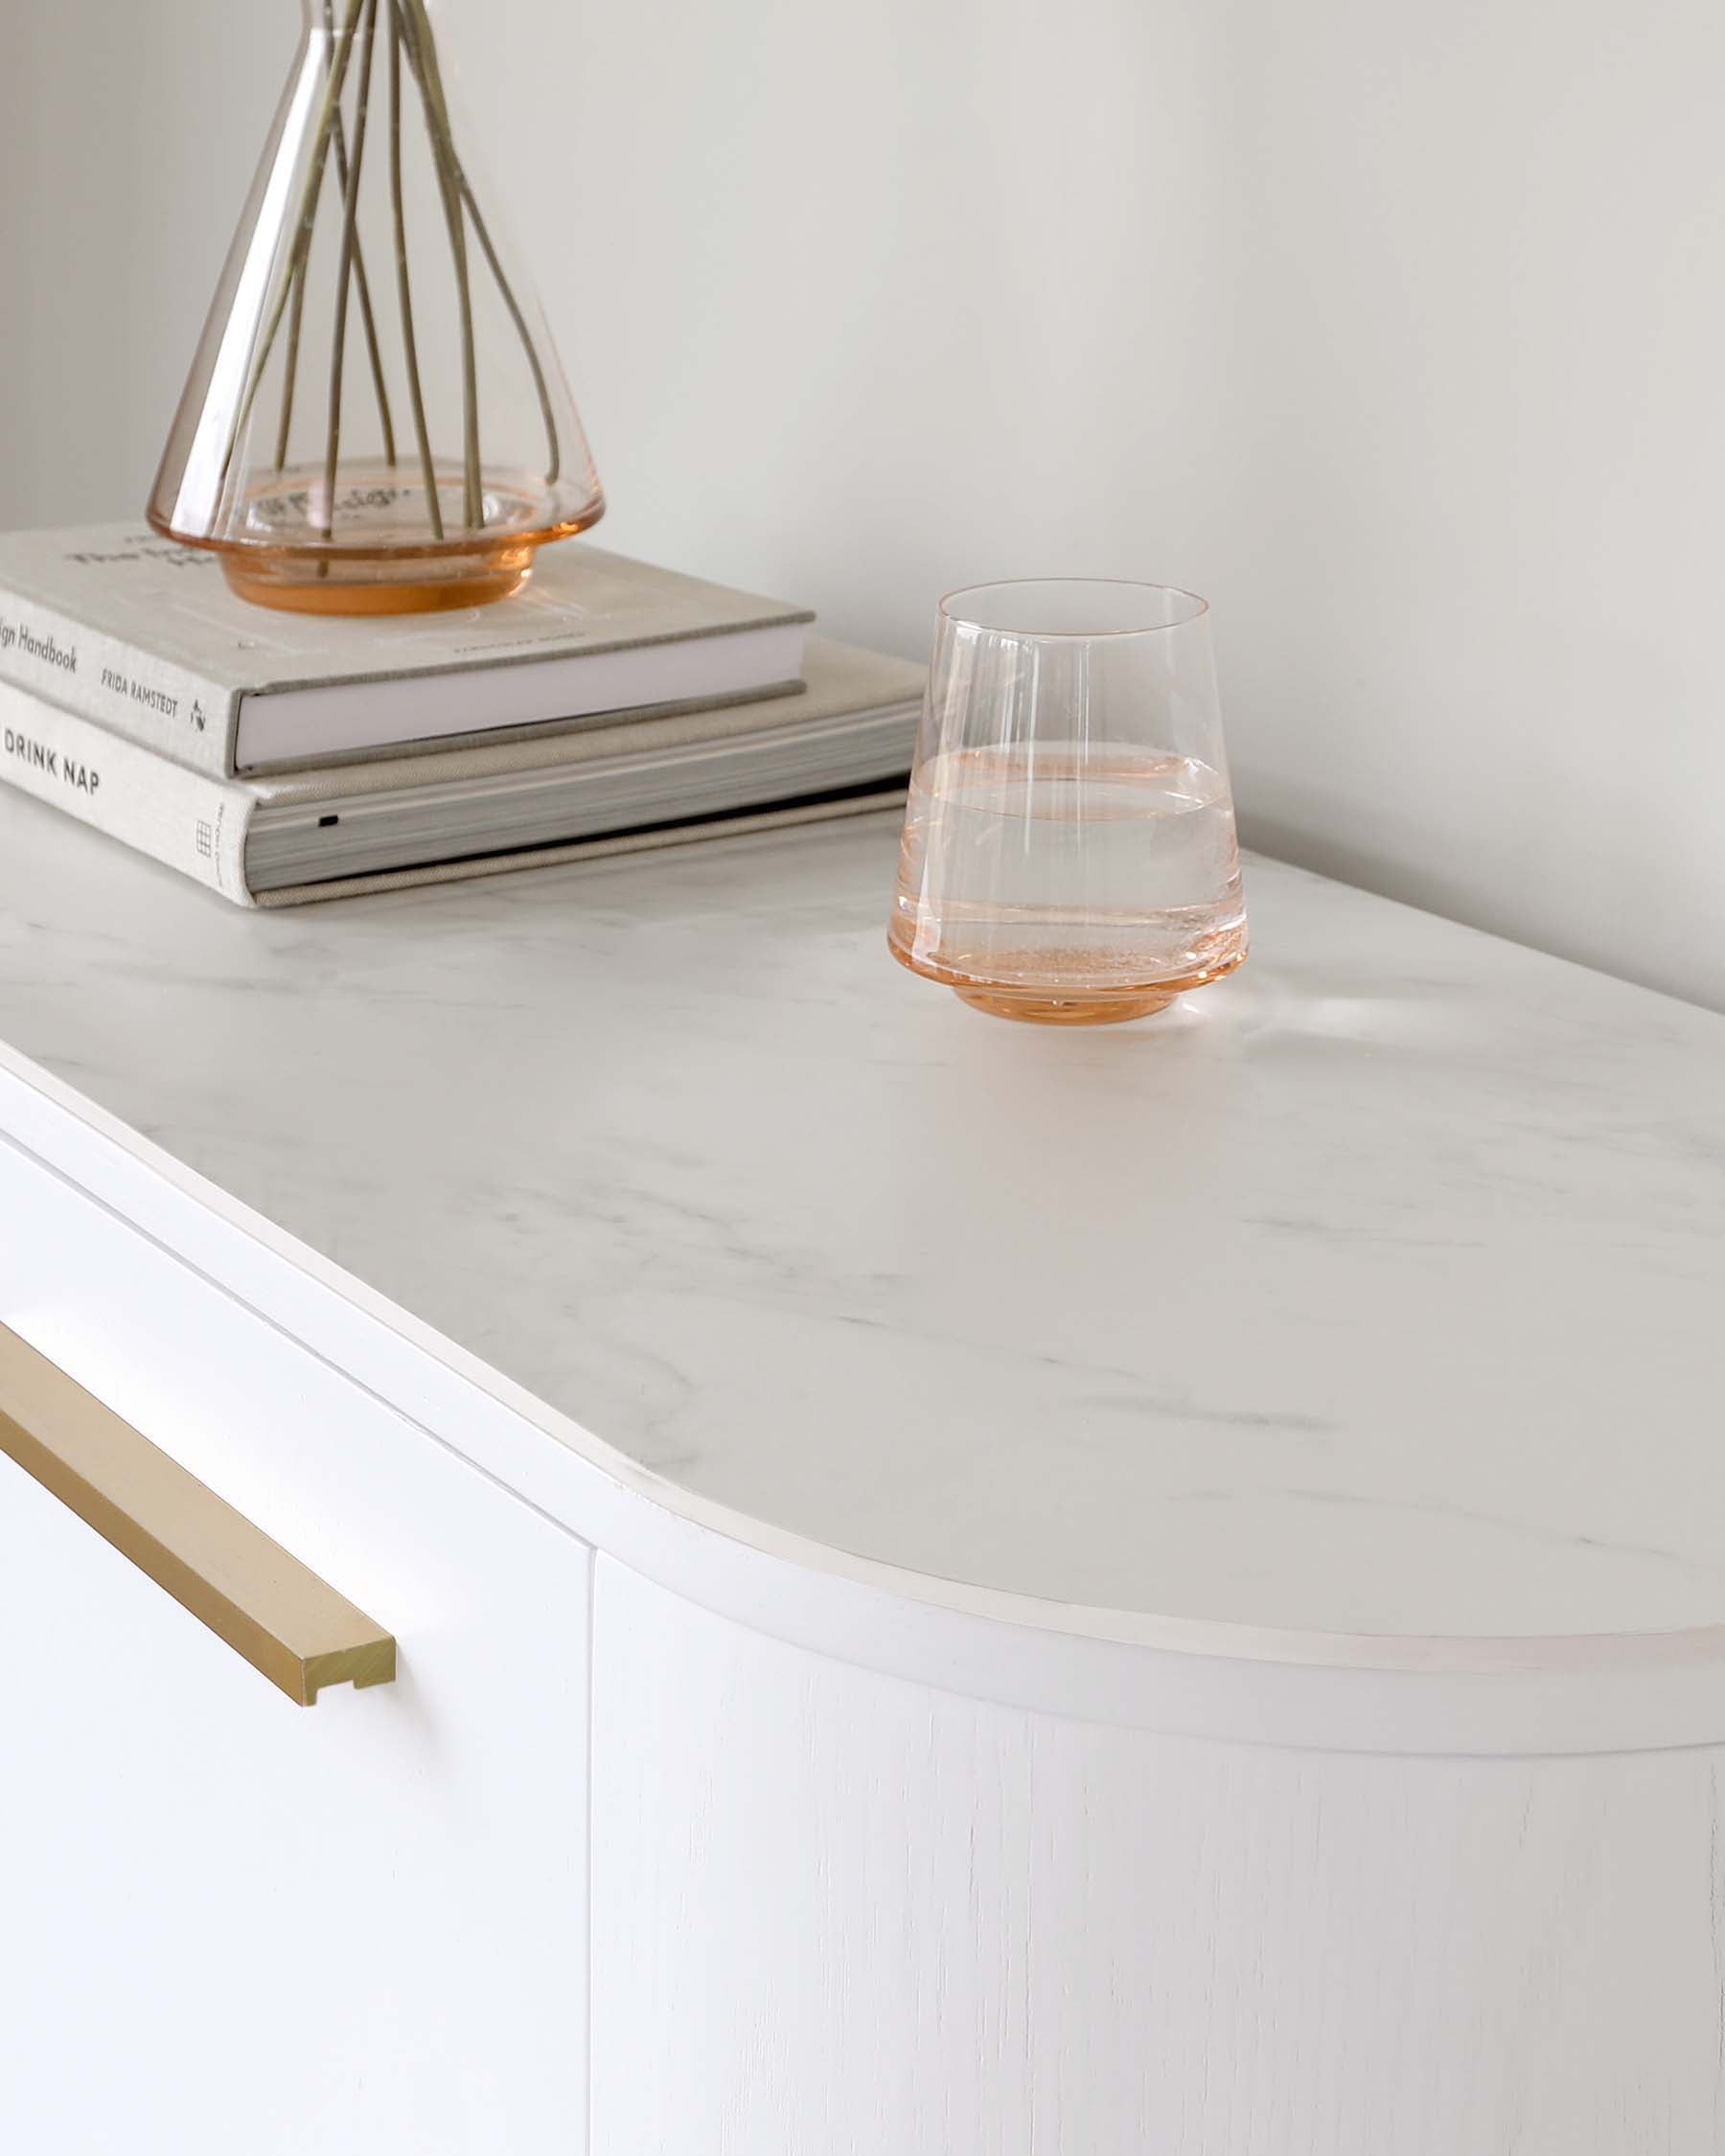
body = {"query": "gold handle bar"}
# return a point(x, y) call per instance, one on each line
point(299, 1632)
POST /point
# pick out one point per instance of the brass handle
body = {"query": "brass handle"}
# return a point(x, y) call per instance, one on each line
point(301, 1634)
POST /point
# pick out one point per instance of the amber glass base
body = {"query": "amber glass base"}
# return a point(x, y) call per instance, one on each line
point(383, 559)
point(1081, 1006)
point(1065, 1010)
point(294, 584)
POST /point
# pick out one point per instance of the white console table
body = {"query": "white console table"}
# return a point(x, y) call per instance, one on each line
point(959, 1590)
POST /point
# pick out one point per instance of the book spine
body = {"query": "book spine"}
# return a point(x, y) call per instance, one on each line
point(180, 817)
point(160, 706)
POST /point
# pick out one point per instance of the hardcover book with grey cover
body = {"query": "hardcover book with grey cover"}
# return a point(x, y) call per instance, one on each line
point(145, 638)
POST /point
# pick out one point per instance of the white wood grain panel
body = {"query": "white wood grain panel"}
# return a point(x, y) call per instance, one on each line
point(228, 1924)
point(848, 1915)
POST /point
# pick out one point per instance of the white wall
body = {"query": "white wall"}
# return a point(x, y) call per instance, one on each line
point(1399, 331)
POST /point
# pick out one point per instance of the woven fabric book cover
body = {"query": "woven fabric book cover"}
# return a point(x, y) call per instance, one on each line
point(144, 638)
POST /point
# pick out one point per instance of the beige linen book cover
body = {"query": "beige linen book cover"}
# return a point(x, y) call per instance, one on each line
point(201, 825)
point(145, 638)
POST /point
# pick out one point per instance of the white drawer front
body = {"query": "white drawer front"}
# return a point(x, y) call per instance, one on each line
point(228, 1923)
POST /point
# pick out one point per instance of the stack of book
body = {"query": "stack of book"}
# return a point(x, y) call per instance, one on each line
point(282, 757)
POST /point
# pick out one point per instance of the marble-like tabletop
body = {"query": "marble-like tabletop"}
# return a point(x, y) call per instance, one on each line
point(1377, 1289)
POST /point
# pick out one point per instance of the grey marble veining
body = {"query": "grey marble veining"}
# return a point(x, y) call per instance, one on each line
point(1377, 1289)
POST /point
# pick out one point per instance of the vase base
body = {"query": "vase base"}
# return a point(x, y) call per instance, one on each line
point(390, 547)
point(293, 585)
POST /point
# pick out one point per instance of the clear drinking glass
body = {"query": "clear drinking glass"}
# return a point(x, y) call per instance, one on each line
point(1070, 855)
